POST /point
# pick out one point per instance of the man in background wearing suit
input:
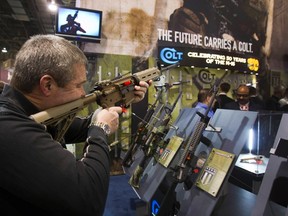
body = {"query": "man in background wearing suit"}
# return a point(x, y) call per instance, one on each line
point(243, 101)
point(222, 97)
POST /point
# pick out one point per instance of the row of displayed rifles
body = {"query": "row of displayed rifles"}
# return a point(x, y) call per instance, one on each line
point(149, 138)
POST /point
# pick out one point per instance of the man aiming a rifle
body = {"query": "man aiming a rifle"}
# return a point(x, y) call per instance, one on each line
point(38, 175)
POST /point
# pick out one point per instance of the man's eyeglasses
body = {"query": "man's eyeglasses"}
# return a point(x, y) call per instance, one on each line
point(242, 95)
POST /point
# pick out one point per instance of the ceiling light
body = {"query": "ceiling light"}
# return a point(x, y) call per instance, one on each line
point(52, 5)
point(4, 50)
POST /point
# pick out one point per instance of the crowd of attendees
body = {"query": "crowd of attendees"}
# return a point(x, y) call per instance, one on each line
point(246, 98)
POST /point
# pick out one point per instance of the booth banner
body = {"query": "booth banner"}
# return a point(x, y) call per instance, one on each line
point(194, 57)
point(132, 27)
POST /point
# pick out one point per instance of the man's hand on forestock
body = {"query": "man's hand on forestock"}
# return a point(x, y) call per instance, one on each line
point(140, 90)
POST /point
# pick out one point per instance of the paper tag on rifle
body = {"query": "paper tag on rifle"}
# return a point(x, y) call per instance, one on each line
point(214, 171)
point(170, 151)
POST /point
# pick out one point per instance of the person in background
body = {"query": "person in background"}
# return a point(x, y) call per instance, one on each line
point(255, 98)
point(284, 100)
point(242, 100)
point(1, 86)
point(222, 97)
point(38, 175)
point(272, 103)
point(204, 98)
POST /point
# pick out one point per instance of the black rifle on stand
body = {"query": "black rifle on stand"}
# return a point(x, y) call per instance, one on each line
point(141, 133)
point(142, 129)
point(188, 160)
point(151, 144)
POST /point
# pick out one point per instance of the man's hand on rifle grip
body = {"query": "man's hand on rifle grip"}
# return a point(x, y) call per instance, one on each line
point(109, 116)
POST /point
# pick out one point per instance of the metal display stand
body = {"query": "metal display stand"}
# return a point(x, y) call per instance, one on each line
point(158, 124)
point(232, 128)
point(235, 127)
point(277, 168)
point(155, 120)
point(154, 173)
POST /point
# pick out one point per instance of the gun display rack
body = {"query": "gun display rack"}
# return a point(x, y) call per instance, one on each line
point(230, 138)
point(154, 173)
point(138, 155)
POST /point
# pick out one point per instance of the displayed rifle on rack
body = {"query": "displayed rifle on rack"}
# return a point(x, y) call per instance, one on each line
point(150, 146)
point(116, 92)
point(188, 160)
point(141, 133)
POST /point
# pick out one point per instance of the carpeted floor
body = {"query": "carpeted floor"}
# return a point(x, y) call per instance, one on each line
point(122, 200)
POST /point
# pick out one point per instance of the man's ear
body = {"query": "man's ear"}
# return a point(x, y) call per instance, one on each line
point(47, 84)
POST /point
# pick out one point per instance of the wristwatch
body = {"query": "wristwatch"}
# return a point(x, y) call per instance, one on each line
point(102, 125)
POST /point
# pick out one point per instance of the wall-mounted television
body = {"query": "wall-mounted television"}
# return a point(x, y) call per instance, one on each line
point(79, 24)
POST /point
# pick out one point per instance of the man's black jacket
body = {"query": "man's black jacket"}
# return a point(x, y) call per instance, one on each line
point(38, 175)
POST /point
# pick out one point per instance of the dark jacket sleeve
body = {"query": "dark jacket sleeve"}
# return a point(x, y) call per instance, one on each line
point(77, 131)
point(39, 175)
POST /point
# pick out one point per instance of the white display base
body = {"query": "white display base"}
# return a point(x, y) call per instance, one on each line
point(255, 164)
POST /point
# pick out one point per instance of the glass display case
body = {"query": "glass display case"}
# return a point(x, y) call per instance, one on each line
point(251, 164)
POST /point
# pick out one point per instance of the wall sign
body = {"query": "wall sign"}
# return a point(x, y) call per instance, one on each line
point(188, 56)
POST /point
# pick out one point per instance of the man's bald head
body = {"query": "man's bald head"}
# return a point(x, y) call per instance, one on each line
point(243, 94)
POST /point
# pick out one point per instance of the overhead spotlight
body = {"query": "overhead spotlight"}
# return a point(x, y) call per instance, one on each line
point(4, 50)
point(52, 6)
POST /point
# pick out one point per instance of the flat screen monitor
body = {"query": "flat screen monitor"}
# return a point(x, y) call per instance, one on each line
point(79, 24)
